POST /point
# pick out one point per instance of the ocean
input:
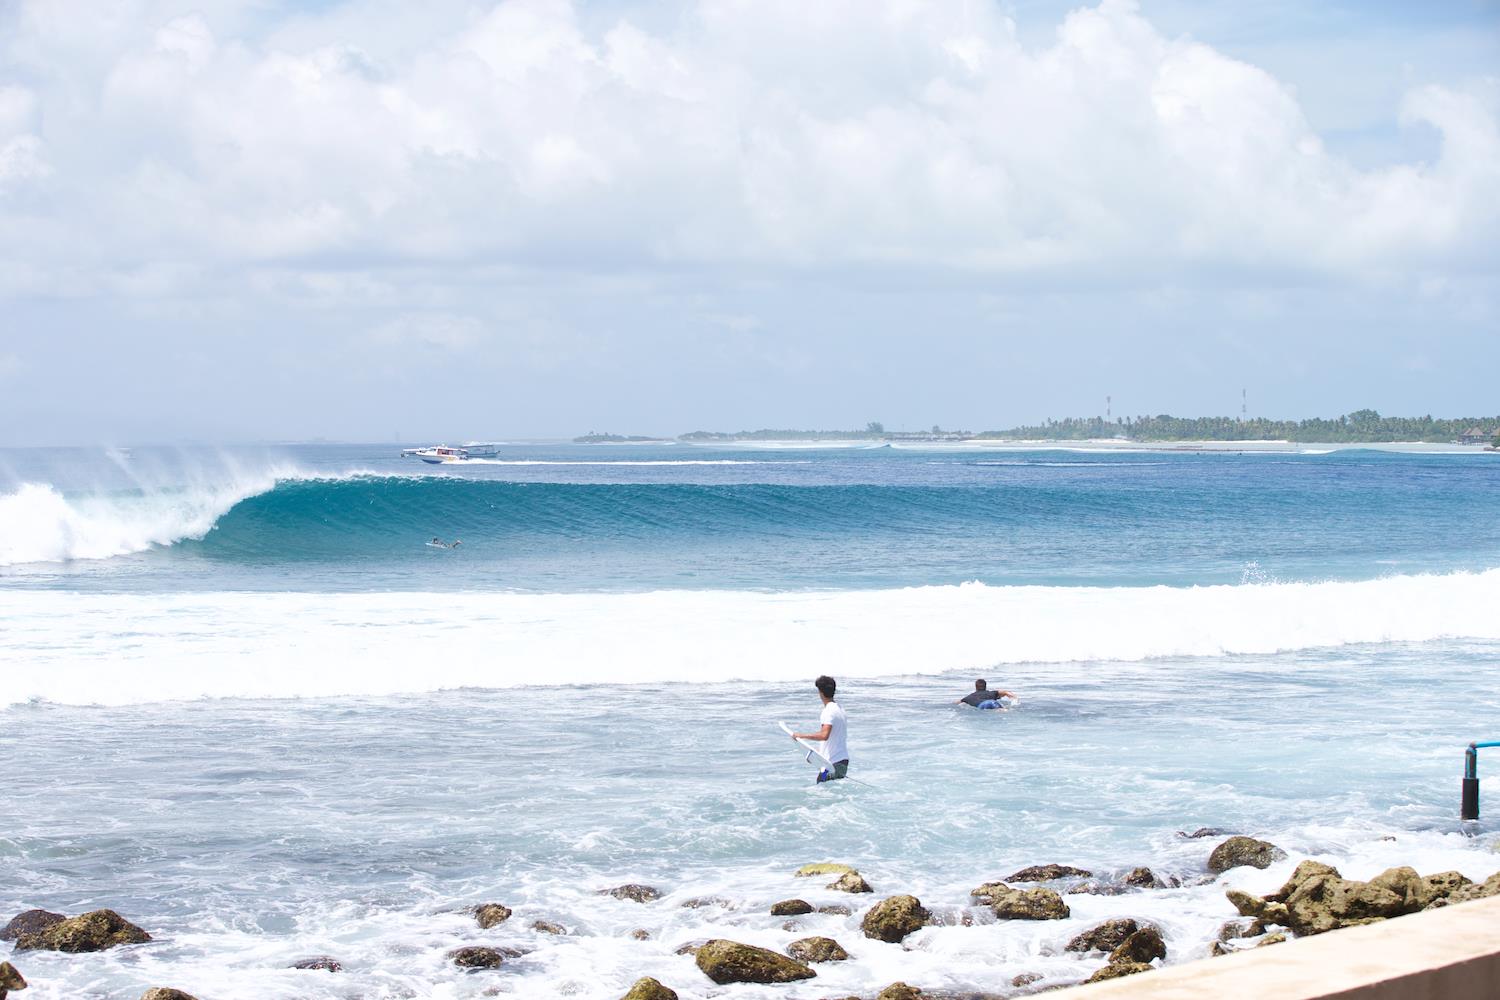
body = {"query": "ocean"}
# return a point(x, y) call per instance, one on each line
point(245, 703)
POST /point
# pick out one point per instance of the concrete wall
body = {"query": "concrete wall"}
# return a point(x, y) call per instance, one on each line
point(1451, 953)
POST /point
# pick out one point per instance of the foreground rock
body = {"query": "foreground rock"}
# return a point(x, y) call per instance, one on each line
point(29, 922)
point(1105, 937)
point(791, 908)
point(10, 979)
point(1144, 878)
point(823, 868)
point(95, 931)
point(892, 919)
point(1470, 890)
point(490, 914)
point(1140, 948)
point(1238, 851)
point(731, 962)
point(647, 988)
point(1115, 970)
point(320, 963)
point(1046, 873)
point(899, 991)
point(850, 881)
point(634, 892)
point(1317, 899)
point(817, 949)
point(548, 927)
point(477, 958)
point(166, 993)
point(1022, 904)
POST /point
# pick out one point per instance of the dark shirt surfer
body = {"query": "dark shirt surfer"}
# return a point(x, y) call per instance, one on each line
point(984, 694)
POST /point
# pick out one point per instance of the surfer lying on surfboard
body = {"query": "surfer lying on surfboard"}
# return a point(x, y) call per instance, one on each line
point(983, 696)
point(833, 735)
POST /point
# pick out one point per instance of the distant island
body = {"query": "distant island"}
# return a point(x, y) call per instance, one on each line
point(1359, 427)
point(594, 437)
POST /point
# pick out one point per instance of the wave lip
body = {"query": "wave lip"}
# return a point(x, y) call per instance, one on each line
point(41, 524)
point(182, 646)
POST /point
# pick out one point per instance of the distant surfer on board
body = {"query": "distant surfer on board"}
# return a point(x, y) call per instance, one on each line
point(833, 735)
point(983, 696)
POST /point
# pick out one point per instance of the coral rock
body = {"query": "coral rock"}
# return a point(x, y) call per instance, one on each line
point(791, 908)
point(1238, 851)
point(490, 914)
point(817, 949)
point(95, 931)
point(731, 962)
point(894, 918)
point(1046, 873)
point(647, 988)
point(1105, 937)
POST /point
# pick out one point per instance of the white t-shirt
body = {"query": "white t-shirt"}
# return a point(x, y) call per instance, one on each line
point(837, 746)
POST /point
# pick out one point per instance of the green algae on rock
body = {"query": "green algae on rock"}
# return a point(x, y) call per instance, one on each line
point(97, 930)
point(732, 962)
point(892, 919)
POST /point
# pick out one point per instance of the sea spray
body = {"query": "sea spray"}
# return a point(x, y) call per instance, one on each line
point(271, 645)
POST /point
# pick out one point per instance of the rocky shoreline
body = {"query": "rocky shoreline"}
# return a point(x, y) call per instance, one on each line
point(1314, 900)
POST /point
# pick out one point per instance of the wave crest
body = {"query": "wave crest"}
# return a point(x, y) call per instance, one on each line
point(176, 646)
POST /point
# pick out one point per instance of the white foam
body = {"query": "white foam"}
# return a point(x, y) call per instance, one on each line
point(41, 524)
point(140, 648)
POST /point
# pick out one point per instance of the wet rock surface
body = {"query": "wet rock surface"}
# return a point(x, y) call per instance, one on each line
point(893, 919)
point(791, 908)
point(1009, 903)
point(476, 958)
point(1104, 937)
point(850, 881)
point(1115, 970)
point(10, 979)
point(1240, 851)
point(899, 991)
point(823, 868)
point(634, 892)
point(647, 988)
point(817, 949)
point(490, 914)
point(95, 931)
point(1140, 948)
point(322, 963)
point(29, 922)
point(732, 962)
point(1317, 899)
point(166, 993)
point(1144, 878)
point(548, 927)
point(1046, 873)
point(838, 909)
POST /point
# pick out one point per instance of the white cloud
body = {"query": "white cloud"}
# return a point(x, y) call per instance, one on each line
point(846, 134)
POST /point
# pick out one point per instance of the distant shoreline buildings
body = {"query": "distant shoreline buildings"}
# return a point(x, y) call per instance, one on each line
point(1359, 427)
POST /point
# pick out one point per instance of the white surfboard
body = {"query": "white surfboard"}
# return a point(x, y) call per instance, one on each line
point(814, 750)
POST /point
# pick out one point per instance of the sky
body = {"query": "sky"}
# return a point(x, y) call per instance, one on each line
point(251, 220)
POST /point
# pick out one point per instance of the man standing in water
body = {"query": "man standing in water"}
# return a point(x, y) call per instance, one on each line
point(833, 733)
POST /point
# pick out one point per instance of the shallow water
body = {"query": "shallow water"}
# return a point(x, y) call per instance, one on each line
point(450, 745)
point(249, 834)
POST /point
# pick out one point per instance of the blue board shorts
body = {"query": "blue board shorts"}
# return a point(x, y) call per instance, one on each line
point(988, 705)
point(840, 770)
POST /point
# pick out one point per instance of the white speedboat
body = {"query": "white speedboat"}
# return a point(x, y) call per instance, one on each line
point(438, 454)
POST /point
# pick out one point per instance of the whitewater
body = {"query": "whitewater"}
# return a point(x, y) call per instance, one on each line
point(245, 704)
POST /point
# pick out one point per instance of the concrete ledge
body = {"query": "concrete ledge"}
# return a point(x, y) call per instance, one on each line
point(1448, 954)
